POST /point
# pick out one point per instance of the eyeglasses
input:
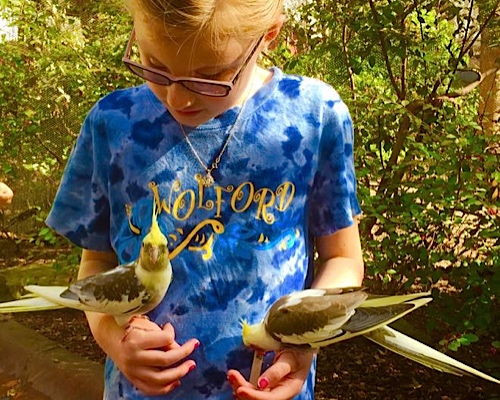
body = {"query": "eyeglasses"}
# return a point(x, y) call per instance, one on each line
point(205, 87)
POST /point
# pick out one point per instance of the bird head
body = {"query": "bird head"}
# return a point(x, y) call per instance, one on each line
point(257, 338)
point(154, 250)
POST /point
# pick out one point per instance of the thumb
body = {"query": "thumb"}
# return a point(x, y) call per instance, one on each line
point(283, 365)
point(171, 343)
point(169, 329)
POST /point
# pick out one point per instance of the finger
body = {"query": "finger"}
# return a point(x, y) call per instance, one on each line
point(154, 381)
point(169, 328)
point(282, 392)
point(169, 357)
point(148, 339)
point(237, 380)
point(285, 364)
point(150, 390)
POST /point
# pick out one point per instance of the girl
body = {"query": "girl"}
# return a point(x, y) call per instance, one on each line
point(250, 169)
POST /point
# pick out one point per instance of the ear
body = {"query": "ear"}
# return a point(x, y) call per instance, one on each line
point(273, 32)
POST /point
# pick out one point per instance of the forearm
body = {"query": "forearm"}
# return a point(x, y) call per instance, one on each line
point(103, 327)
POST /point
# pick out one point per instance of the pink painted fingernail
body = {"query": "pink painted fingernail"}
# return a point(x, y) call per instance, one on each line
point(196, 345)
point(263, 383)
point(192, 367)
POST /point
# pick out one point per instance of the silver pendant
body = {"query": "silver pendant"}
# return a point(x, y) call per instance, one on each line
point(208, 180)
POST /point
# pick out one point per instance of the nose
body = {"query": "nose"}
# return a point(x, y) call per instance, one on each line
point(178, 97)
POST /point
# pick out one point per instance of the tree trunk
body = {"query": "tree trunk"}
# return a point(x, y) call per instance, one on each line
point(489, 106)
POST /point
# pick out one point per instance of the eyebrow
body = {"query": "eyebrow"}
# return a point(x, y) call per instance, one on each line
point(222, 67)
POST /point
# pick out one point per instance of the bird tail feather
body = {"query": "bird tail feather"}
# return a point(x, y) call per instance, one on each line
point(382, 300)
point(28, 303)
point(421, 353)
point(53, 294)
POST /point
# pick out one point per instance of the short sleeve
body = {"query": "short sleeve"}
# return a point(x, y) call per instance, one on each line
point(333, 201)
point(80, 211)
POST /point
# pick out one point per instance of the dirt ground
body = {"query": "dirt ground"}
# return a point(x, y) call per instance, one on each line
point(353, 370)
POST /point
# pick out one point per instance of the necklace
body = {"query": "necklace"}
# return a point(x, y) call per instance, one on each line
point(208, 179)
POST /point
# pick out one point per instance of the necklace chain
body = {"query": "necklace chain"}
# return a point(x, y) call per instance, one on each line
point(208, 179)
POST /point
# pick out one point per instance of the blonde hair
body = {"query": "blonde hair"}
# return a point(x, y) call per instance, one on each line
point(220, 19)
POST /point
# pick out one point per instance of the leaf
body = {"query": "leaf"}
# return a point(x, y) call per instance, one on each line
point(471, 338)
point(372, 61)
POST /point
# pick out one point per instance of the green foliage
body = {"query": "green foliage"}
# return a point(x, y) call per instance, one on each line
point(455, 342)
point(427, 172)
point(60, 64)
point(68, 263)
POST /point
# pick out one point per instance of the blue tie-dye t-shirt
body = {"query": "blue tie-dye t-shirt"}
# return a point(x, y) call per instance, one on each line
point(286, 176)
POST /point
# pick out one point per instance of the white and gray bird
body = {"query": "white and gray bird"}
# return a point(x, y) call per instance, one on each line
point(125, 291)
point(314, 318)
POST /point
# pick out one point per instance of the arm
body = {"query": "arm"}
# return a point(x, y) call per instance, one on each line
point(341, 265)
point(341, 259)
point(145, 354)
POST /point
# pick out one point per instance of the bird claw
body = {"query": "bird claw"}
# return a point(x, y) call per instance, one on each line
point(131, 326)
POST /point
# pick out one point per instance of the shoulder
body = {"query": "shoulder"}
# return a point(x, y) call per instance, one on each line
point(306, 96)
point(304, 87)
point(119, 111)
point(123, 100)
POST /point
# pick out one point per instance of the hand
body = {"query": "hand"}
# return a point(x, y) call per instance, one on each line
point(6, 195)
point(146, 356)
point(281, 381)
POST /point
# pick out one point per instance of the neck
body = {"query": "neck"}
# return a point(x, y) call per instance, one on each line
point(258, 78)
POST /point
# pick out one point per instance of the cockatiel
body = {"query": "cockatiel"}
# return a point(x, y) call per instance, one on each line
point(125, 291)
point(314, 318)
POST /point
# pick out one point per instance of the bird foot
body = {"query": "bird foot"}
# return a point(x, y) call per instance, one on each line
point(135, 323)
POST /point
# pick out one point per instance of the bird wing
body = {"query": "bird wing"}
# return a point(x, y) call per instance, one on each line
point(421, 353)
point(367, 319)
point(116, 292)
point(312, 315)
point(318, 320)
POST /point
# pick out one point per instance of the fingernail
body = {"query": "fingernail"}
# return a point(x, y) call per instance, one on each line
point(231, 379)
point(196, 345)
point(263, 383)
point(192, 367)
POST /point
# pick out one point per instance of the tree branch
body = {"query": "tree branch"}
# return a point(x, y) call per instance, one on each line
point(385, 53)
point(348, 62)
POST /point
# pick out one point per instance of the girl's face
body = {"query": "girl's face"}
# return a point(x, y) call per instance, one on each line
point(188, 56)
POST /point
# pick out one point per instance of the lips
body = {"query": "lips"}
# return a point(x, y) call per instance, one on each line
point(187, 113)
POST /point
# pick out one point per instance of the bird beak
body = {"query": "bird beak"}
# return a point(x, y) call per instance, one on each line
point(154, 253)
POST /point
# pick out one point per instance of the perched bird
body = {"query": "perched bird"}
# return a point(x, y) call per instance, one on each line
point(125, 291)
point(314, 318)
